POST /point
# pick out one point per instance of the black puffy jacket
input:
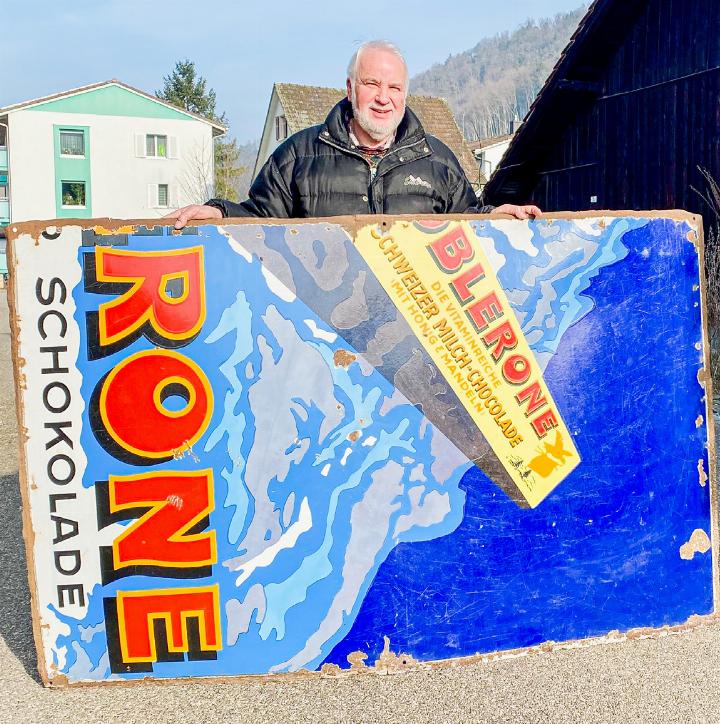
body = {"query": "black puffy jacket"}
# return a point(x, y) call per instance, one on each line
point(319, 172)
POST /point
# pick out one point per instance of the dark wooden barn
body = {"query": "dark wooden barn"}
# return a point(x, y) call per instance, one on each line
point(629, 113)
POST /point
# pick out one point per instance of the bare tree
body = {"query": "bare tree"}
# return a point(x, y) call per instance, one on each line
point(196, 184)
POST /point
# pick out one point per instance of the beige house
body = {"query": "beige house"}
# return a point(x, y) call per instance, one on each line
point(295, 107)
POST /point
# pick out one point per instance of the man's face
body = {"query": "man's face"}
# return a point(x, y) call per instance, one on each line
point(378, 93)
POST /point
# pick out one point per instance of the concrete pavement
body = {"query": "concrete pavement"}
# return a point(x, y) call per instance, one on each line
point(671, 678)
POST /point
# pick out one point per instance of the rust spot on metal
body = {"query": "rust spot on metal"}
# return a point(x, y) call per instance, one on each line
point(692, 236)
point(698, 543)
point(50, 232)
point(702, 475)
point(354, 436)
point(357, 660)
point(702, 377)
point(389, 662)
point(59, 680)
point(104, 231)
point(343, 358)
point(330, 670)
point(699, 421)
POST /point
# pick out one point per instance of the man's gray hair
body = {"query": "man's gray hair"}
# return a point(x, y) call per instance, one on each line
point(375, 45)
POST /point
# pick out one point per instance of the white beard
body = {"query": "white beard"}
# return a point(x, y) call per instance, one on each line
point(377, 130)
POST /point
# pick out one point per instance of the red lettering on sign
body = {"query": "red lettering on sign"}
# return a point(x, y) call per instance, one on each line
point(132, 409)
point(461, 284)
point(137, 610)
point(484, 311)
point(503, 337)
point(545, 422)
point(177, 501)
point(533, 395)
point(452, 250)
point(148, 301)
point(516, 369)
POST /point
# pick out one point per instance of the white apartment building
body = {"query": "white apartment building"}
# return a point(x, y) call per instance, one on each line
point(103, 150)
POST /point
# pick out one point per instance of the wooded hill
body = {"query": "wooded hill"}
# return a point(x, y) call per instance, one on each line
point(497, 80)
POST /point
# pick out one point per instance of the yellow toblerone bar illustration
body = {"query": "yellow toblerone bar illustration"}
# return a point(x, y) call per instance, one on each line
point(441, 281)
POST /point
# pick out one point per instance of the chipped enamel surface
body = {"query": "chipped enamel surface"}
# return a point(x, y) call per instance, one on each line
point(275, 464)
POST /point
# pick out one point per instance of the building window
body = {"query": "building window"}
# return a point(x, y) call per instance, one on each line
point(156, 146)
point(162, 199)
point(3, 192)
point(73, 193)
point(281, 130)
point(72, 143)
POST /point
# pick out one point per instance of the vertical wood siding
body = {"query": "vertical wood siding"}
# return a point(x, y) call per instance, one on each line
point(638, 143)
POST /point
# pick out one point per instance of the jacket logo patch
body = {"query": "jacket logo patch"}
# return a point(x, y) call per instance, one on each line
point(416, 181)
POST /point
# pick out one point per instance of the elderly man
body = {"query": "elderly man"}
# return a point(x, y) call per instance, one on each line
point(371, 156)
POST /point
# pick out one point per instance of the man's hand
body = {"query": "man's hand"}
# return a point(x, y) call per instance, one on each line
point(190, 213)
point(519, 212)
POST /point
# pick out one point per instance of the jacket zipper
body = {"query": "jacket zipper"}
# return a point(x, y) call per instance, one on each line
point(373, 171)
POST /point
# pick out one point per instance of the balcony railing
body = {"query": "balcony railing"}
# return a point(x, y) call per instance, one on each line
point(3, 158)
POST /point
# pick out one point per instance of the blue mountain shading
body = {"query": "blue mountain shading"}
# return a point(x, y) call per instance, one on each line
point(392, 533)
point(602, 552)
point(301, 427)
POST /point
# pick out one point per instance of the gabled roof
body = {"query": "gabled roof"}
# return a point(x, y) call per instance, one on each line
point(306, 106)
point(572, 80)
point(217, 128)
point(489, 141)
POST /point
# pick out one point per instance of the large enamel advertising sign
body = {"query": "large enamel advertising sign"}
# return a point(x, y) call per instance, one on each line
point(265, 447)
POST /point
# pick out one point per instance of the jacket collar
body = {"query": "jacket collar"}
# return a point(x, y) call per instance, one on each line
point(409, 132)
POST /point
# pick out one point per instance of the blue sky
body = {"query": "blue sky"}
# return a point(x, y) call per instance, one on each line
point(241, 48)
